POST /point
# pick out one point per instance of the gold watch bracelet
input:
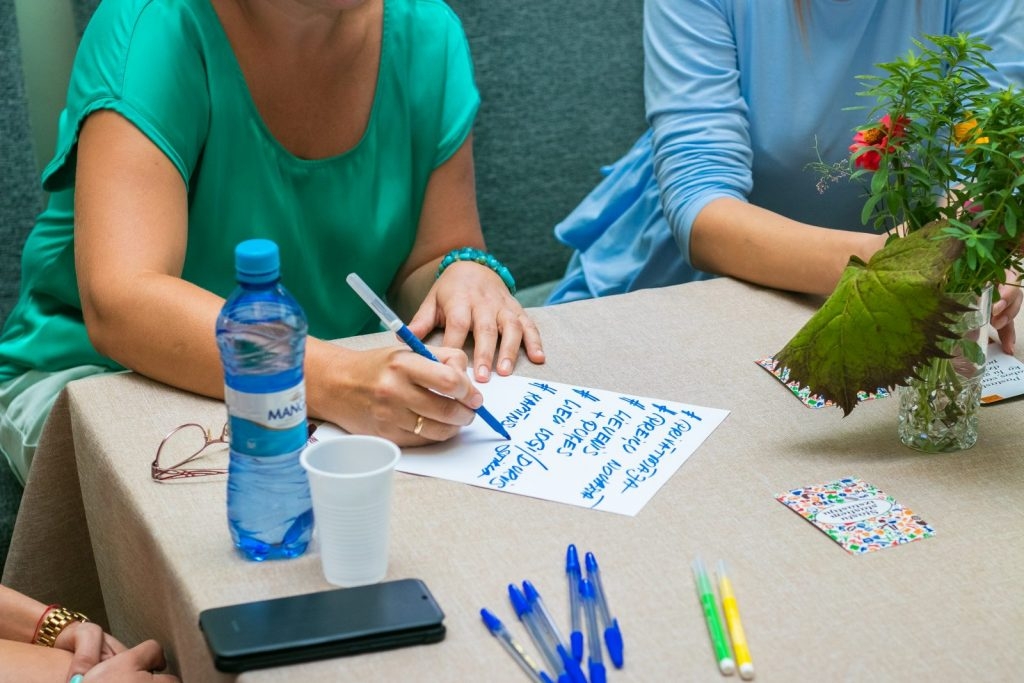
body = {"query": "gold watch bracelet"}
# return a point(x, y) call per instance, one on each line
point(55, 620)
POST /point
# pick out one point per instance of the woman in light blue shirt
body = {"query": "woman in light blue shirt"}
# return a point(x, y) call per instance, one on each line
point(741, 96)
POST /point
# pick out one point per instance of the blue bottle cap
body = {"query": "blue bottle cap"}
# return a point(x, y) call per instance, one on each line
point(257, 262)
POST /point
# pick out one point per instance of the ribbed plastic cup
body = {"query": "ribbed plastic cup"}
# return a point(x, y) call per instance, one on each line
point(350, 479)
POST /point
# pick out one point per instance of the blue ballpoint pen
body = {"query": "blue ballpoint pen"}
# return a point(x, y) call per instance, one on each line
point(596, 661)
point(572, 667)
point(525, 613)
point(499, 631)
point(612, 634)
point(395, 324)
point(572, 571)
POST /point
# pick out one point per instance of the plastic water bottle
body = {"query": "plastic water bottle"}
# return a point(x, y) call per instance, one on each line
point(261, 333)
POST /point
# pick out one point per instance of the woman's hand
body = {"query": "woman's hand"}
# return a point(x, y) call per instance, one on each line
point(394, 393)
point(88, 644)
point(471, 298)
point(132, 666)
point(1006, 309)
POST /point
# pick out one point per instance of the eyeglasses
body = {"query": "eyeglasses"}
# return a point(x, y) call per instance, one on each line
point(189, 441)
point(184, 444)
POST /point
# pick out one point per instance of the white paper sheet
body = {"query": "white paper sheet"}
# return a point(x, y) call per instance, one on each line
point(1004, 375)
point(587, 447)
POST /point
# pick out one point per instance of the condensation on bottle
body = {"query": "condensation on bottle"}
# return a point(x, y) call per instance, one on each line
point(261, 334)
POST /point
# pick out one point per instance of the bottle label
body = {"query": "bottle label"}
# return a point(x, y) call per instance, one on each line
point(267, 424)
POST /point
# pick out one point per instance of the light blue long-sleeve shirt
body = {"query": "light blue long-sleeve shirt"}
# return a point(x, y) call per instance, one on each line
point(740, 101)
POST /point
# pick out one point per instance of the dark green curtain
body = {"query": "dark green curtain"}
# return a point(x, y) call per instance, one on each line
point(562, 89)
point(20, 201)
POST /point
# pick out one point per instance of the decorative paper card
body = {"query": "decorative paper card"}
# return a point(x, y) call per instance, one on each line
point(1004, 375)
point(803, 393)
point(571, 444)
point(856, 515)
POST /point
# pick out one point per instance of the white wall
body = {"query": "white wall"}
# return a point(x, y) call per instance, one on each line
point(48, 41)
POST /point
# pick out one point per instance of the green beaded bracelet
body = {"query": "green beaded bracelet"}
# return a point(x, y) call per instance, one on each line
point(481, 257)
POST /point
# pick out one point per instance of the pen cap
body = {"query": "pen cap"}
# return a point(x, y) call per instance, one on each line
point(531, 594)
point(613, 639)
point(492, 622)
point(572, 560)
point(519, 603)
point(701, 575)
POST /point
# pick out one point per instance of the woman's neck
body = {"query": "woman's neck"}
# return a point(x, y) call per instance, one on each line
point(302, 27)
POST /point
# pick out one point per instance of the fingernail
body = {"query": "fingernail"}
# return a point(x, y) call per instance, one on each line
point(482, 372)
point(505, 365)
point(476, 401)
point(77, 678)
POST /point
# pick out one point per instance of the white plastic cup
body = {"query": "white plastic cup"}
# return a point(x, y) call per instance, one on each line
point(350, 479)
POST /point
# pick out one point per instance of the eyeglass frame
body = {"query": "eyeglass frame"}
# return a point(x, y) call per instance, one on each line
point(175, 471)
point(162, 474)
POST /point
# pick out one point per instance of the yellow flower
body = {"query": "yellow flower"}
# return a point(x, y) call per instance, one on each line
point(962, 132)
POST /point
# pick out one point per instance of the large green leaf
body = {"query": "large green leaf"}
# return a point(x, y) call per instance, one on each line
point(883, 320)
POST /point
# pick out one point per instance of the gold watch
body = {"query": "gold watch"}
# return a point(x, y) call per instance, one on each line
point(57, 619)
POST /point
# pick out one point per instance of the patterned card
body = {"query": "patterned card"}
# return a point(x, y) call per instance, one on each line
point(804, 392)
point(856, 515)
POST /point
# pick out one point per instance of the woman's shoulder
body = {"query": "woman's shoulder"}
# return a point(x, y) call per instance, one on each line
point(136, 57)
point(429, 10)
point(119, 26)
point(129, 12)
point(423, 18)
point(425, 34)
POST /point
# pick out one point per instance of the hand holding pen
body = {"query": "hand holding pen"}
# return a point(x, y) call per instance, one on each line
point(395, 324)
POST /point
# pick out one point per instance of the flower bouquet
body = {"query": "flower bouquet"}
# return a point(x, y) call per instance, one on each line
point(943, 165)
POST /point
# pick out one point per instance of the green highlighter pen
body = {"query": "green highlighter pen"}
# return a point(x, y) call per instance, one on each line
point(714, 620)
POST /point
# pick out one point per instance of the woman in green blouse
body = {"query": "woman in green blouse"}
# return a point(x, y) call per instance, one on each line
point(341, 129)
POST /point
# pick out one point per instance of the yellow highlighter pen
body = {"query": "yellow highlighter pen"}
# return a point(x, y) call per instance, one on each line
point(733, 623)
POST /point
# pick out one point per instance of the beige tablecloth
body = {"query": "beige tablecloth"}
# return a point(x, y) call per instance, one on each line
point(949, 608)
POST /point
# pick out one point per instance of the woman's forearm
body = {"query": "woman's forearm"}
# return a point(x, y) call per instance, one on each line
point(19, 615)
point(734, 238)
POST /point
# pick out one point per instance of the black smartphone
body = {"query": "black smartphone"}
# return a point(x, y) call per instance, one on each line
point(332, 623)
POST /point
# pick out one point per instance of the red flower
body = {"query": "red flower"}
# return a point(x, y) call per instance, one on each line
point(897, 129)
point(877, 139)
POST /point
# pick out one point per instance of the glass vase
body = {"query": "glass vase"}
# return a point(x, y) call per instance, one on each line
point(938, 409)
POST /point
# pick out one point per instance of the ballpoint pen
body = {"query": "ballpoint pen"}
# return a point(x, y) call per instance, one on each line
point(596, 661)
point(395, 324)
point(572, 571)
point(612, 633)
point(525, 613)
point(514, 649)
point(550, 630)
point(713, 619)
point(733, 623)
